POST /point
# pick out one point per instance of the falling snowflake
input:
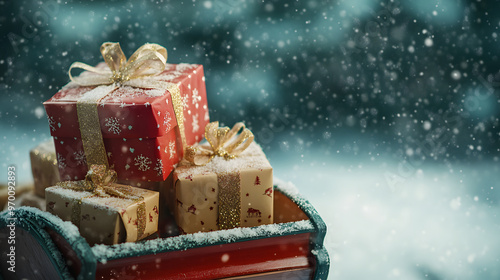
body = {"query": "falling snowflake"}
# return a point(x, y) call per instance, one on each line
point(196, 96)
point(195, 124)
point(80, 158)
point(52, 123)
point(206, 116)
point(61, 161)
point(142, 162)
point(113, 125)
point(171, 149)
point(185, 101)
point(167, 122)
point(159, 168)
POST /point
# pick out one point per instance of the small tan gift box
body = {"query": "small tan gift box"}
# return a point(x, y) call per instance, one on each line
point(105, 212)
point(44, 167)
point(232, 188)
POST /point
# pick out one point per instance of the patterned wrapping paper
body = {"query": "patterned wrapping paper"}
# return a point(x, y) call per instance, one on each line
point(248, 179)
point(106, 220)
point(138, 125)
point(44, 167)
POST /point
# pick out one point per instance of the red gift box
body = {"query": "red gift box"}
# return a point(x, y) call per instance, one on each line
point(139, 126)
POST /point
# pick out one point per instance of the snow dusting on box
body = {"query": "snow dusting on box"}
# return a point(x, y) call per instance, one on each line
point(252, 157)
point(182, 242)
point(101, 202)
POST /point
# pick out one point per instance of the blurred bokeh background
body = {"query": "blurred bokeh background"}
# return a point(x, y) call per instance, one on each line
point(385, 114)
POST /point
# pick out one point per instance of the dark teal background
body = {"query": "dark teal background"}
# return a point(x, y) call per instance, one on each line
point(384, 113)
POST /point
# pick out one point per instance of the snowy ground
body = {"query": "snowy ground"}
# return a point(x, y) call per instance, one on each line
point(433, 224)
point(385, 220)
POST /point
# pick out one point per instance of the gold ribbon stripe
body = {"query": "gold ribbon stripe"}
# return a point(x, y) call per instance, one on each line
point(226, 143)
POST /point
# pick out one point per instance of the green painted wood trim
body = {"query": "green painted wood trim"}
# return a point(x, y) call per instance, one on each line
point(318, 236)
point(34, 221)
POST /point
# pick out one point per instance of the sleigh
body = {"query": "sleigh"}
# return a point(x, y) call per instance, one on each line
point(291, 248)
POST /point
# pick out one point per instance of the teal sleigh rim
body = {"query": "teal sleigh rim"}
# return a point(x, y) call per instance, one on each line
point(35, 220)
point(315, 225)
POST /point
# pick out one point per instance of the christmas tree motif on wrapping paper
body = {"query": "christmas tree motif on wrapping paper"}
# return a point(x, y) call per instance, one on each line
point(51, 205)
point(257, 181)
point(268, 192)
point(113, 125)
point(253, 213)
point(142, 163)
point(179, 203)
point(192, 209)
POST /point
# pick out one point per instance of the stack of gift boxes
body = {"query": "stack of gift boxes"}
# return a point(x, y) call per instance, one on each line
point(127, 148)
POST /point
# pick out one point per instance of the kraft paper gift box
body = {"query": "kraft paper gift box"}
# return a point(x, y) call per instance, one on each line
point(109, 215)
point(223, 193)
point(44, 167)
point(135, 123)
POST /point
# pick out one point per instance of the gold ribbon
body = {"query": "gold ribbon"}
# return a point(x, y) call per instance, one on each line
point(223, 142)
point(226, 143)
point(138, 71)
point(100, 181)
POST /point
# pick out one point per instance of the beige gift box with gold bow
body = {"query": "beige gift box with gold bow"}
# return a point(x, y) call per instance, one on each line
point(107, 214)
point(225, 191)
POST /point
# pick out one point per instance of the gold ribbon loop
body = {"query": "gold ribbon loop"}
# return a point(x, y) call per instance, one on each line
point(148, 60)
point(113, 56)
point(224, 142)
point(99, 175)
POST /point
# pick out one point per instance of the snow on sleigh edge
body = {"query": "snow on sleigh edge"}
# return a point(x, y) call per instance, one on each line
point(59, 251)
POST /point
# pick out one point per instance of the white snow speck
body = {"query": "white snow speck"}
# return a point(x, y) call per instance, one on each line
point(455, 203)
point(39, 112)
point(456, 75)
point(428, 42)
point(427, 125)
point(225, 258)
